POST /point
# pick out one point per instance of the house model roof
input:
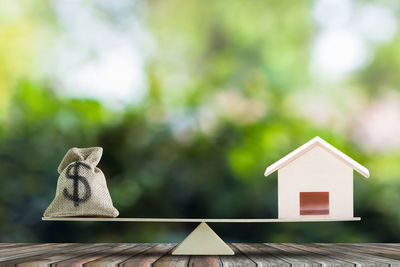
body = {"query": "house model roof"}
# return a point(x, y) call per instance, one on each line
point(317, 141)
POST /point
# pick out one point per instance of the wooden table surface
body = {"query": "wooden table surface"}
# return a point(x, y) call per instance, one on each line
point(254, 254)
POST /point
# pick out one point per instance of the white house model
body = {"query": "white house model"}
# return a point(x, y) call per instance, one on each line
point(315, 181)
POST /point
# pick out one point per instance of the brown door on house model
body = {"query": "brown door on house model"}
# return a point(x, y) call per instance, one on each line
point(314, 203)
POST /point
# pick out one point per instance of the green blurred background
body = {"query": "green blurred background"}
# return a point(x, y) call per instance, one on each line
point(191, 101)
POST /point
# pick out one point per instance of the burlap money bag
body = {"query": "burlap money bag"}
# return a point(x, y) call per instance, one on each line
point(81, 186)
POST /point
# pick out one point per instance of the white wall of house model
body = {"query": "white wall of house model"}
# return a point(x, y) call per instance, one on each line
point(315, 181)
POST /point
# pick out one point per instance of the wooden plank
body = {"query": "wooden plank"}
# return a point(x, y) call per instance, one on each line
point(204, 261)
point(360, 252)
point(186, 220)
point(88, 257)
point(333, 254)
point(300, 256)
point(54, 255)
point(127, 254)
point(148, 257)
point(123, 255)
point(393, 245)
point(378, 250)
point(291, 259)
point(10, 245)
point(379, 246)
point(261, 257)
point(322, 259)
point(18, 249)
point(35, 250)
point(169, 260)
point(239, 259)
point(347, 256)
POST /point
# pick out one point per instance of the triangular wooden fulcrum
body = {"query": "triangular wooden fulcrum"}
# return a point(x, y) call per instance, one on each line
point(203, 241)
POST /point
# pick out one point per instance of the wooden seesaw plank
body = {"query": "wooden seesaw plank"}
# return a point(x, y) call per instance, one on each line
point(185, 220)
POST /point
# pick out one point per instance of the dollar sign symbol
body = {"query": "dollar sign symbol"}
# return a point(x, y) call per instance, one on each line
point(76, 177)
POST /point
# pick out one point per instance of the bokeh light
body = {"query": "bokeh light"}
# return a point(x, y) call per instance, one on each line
point(191, 100)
